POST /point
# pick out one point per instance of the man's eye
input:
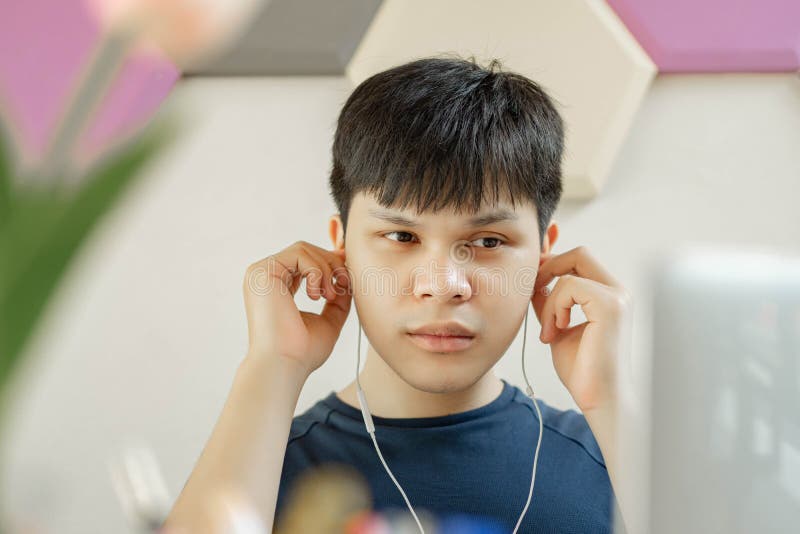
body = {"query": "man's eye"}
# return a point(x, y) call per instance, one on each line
point(497, 241)
point(400, 233)
point(406, 237)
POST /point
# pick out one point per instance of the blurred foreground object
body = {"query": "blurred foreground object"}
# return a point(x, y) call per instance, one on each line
point(140, 487)
point(188, 31)
point(41, 229)
point(325, 499)
point(59, 39)
point(49, 212)
point(46, 215)
point(139, 483)
point(726, 386)
point(335, 498)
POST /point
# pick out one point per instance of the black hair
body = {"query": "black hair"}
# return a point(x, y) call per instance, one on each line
point(442, 132)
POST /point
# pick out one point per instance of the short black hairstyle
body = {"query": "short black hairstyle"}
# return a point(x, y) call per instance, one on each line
point(443, 132)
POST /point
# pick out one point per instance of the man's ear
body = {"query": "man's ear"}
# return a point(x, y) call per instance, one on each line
point(336, 231)
point(550, 237)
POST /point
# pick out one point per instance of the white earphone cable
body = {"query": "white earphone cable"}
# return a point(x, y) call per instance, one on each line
point(371, 429)
point(539, 415)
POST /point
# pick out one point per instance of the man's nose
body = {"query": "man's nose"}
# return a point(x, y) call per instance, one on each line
point(444, 278)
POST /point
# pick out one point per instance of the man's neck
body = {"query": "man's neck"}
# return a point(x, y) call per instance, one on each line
point(388, 395)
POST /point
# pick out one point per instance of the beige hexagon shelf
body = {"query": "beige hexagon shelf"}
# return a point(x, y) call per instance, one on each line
point(578, 50)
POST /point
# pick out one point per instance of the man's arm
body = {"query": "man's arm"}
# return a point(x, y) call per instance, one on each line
point(245, 452)
point(605, 421)
point(247, 446)
point(590, 358)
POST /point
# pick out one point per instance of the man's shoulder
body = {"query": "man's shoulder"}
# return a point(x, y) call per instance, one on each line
point(566, 424)
point(302, 424)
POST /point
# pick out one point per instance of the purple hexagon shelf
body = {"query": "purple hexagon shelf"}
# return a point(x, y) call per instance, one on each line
point(716, 35)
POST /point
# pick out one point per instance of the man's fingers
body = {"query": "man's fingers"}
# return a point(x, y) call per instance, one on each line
point(579, 262)
point(321, 275)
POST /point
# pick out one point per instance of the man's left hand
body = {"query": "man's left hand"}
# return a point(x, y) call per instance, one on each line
point(585, 356)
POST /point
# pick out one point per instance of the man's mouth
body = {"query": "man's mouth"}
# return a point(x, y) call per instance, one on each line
point(435, 343)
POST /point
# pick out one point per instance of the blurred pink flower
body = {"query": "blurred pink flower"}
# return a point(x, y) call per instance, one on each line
point(187, 31)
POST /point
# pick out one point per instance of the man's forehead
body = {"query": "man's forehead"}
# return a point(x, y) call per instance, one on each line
point(500, 211)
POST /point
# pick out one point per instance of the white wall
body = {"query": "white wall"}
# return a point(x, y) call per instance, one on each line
point(144, 341)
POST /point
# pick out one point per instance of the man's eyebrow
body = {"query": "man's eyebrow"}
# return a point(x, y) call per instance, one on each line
point(489, 218)
point(474, 222)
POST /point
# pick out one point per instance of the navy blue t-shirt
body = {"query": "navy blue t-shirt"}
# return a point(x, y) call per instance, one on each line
point(476, 462)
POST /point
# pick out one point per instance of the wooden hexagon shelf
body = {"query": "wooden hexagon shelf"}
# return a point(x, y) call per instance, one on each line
point(578, 50)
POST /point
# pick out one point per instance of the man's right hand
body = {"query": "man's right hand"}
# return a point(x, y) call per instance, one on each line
point(276, 327)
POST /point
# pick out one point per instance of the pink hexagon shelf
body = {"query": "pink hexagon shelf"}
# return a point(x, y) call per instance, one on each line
point(716, 35)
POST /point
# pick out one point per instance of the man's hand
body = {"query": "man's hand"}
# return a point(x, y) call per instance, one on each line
point(276, 327)
point(585, 356)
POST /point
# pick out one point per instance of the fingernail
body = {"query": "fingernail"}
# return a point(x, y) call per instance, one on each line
point(545, 291)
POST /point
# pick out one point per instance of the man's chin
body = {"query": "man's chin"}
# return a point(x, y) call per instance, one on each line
point(438, 380)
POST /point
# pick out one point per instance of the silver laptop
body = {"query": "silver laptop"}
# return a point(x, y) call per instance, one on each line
point(725, 434)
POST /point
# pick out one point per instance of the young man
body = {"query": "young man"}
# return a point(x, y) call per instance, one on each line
point(446, 175)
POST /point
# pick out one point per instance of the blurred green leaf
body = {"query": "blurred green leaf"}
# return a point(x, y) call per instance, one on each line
point(32, 217)
point(45, 231)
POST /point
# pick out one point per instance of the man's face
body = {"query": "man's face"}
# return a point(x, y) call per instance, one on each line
point(438, 268)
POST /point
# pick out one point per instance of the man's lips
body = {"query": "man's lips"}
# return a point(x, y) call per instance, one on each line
point(447, 343)
point(444, 329)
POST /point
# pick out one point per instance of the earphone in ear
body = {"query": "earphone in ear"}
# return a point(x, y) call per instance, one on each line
point(371, 427)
